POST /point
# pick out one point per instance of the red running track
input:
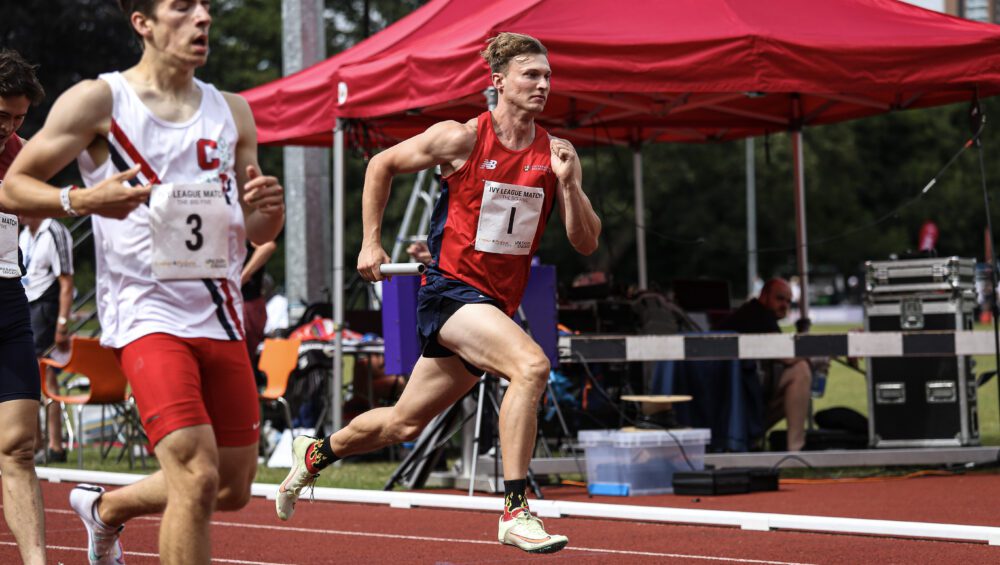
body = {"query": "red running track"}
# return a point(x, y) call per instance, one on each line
point(325, 532)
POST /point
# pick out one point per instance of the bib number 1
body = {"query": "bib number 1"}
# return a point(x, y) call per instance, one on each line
point(508, 218)
point(189, 225)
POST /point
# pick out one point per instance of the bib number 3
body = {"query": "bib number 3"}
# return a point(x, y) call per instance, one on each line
point(508, 218)
point(194, 220)
point(189, 225)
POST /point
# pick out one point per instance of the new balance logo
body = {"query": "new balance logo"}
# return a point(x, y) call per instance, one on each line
point(488, 164)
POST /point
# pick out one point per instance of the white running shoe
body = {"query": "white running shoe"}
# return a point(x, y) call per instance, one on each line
point(522, 530)
point(103, 546)
point(298, 478)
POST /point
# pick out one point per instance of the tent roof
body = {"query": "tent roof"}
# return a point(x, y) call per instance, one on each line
point(304, 103)
point(647, 70)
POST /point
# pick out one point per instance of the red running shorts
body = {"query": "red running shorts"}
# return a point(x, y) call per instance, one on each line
point(182, 382)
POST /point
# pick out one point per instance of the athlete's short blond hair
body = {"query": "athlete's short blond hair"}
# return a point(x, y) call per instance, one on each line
point(504, 47)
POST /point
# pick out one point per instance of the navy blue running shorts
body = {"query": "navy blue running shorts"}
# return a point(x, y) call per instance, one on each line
point(437, 301)
point(19, 376)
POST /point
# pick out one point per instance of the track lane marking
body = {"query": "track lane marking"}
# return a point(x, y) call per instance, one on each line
point(749, 521)
point(452, 540)
point(483, 542)
point(155, 555)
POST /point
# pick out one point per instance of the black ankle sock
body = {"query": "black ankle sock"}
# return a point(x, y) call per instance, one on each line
point(320, 455)
point(514, 494)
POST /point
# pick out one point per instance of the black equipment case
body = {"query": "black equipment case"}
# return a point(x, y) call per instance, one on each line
point(921, 401)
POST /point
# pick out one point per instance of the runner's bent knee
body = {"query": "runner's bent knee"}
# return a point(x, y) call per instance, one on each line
point(232, 496)
point(237, 469)
point(20, 453)
point(17, 442)
point(197, 484)
point(531, 370)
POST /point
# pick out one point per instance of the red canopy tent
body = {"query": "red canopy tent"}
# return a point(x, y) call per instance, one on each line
point(648, 70)
point(645, 71)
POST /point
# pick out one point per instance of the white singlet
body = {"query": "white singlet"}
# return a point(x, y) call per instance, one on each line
point(131, 302)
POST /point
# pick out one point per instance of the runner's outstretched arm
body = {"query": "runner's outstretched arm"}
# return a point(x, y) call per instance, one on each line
point(444, 143)
point(77, 119)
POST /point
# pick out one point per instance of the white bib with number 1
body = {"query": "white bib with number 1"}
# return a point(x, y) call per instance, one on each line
point(9, 267)
point(508, 218)
point(189, 225)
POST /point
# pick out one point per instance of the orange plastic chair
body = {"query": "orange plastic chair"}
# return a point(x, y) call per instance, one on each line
point(108, 385)
point(278, 360)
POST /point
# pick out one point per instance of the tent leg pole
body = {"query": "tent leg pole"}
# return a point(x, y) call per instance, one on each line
point(640, 218)
point(801, 241)
point(751, 218)
point(336, 391)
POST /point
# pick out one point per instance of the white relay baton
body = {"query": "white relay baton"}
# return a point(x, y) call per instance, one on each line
point(397, 269)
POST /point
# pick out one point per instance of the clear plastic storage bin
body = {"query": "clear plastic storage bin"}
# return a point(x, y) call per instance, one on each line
point(631, 463)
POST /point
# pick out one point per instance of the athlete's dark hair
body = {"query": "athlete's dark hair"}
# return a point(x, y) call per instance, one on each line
point(17, 77)
point(504, 47)
point(144, 7)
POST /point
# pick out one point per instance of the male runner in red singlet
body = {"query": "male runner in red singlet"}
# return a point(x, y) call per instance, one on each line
point(20, 388)
point(168, 271)
point(502, 175)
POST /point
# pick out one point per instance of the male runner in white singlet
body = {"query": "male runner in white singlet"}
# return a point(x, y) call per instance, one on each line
point(168, 271)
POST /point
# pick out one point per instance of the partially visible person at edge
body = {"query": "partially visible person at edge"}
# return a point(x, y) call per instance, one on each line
point(502, 176)
point(47, 248)
point(170, 163)
point(20, 386)
point(786, 383)
point(419, 252)
point(252, 289)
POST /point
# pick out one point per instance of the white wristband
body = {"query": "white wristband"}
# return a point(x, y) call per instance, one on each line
point(64, 200)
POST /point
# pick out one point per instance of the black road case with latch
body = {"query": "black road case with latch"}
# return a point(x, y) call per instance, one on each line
point(921, 401)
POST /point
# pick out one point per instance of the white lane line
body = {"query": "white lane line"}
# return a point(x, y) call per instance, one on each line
point(455, 540)
point(350, 533)
point(144, 518)
point(687, 556)
point(156, 555)
point(754, 521)
point(483, 542)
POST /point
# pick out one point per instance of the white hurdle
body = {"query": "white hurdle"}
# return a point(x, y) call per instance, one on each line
point(611, 348)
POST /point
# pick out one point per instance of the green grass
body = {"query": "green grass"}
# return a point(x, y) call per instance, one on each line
point(351, 474)
point(371, 475)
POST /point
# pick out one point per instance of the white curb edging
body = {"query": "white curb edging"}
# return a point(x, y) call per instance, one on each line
point(757, 521)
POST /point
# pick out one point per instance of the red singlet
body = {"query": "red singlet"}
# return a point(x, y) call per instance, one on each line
point(492, 214)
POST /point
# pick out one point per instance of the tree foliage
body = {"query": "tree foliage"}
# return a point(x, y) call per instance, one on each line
point(351, 21)
point(858, 174)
